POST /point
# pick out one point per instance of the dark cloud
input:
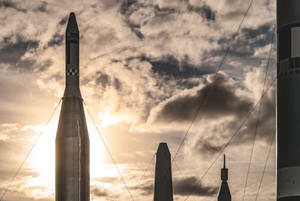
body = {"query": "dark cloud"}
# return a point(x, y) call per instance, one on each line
point(170, 66)
point(107, 4)
point(135, 29)
point(204, 11)
point(216, 99)
point(63, 21)
point(103, 79)
point(117, 84)
point(158, 14)
point(11, 4)
point(99, 192)
point(245, 43)
point(56, 40)
point(129, 7)
point(207, 147)
point(262, 121)
point(163, 11)
point(185, 186)
point(45, 65)
point(12, 52)
point(146, 189)
point(42, 8)
point(192, 186)
point(126, 7)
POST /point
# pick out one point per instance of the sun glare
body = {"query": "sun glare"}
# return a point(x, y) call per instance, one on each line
point(107, 118)
point(42, 159)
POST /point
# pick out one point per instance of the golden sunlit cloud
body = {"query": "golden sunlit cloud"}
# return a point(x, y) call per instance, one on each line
point(107, 118)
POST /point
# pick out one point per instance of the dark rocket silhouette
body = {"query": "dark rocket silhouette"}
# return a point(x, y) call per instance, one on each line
point(288, 100)
point(72, 171)
point(224, 193)
point(163, 189)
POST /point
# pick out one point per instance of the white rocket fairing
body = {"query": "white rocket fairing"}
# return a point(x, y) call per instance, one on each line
point(72, 171)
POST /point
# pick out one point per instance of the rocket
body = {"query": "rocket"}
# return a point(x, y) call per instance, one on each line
point(224, 192)
point(72, 157)
point(163, 190)
point(288, 100)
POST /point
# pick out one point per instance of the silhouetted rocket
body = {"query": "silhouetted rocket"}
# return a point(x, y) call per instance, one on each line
point(224, 193)
point(72, 171)
point(163, 190)
point(288, 100)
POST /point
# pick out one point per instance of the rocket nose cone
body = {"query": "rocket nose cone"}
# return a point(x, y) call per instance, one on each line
point(163, 148)
point(72, 24)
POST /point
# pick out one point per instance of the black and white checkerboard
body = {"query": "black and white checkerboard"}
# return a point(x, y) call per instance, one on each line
point(72, 71)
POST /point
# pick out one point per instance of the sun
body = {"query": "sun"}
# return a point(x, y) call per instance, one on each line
point(107, 118)
point(42, 159)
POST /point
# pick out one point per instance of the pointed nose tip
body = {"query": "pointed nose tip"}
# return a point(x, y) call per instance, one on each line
point(163, 148)
point(72, 24)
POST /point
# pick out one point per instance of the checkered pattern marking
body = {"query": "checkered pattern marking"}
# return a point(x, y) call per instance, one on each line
point(72, 71)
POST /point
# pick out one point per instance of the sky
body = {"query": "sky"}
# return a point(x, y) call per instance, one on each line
point(149, 72)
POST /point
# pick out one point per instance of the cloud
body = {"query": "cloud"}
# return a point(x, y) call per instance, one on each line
point(216, 99)
point(146, 189)
point(22, 100)
point(245, 43)
point(42, 7)
point(12, 52)
point(99, 192)
point(191, 185)
point(11, 4)
point(63, 21)
point(204, 10)
point(183, 186)
point(137, 57)
point(262, 121)
point(57, 39)
point(170, 66)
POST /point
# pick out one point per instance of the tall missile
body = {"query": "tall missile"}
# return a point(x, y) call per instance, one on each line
point(72, 171)
point(224, 192)
point(163, 189)
point(288, 100)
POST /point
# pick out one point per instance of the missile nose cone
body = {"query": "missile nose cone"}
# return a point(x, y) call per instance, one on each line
point(72, 24)
point(163, 149)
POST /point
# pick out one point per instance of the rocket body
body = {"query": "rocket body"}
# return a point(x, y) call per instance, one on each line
point(72, 171)
point(288, 100)
point(163, 189)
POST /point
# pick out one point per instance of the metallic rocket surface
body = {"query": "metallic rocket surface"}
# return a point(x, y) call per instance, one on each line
point(72, 171)
point(163, 190)
point(224, 192)
point(288, 100)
